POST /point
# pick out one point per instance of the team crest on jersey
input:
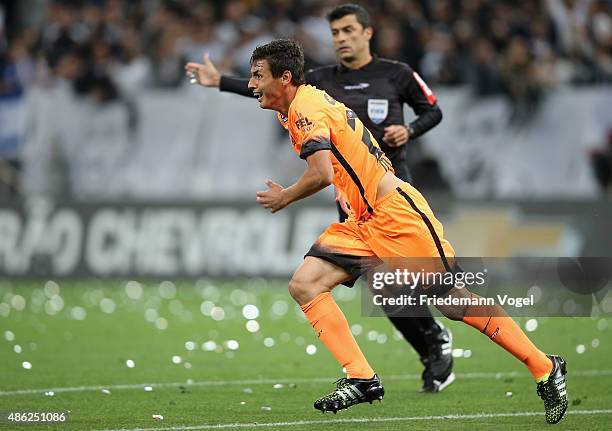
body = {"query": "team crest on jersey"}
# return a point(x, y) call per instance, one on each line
point(378, 110)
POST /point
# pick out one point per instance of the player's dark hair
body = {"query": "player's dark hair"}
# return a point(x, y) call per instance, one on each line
point(362, 15)
point(281, 55)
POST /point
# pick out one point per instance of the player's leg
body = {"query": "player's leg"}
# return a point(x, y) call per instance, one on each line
point(311, 287)
point(409, 229)
point(327, 264)
point(494, 322)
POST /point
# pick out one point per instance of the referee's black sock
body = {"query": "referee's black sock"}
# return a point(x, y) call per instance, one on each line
point(414, 328)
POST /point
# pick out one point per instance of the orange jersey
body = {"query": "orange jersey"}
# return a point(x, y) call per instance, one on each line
point(318, 122)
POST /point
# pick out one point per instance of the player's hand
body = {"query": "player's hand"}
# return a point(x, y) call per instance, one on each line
point(272, 199)
point(342, 202)
point(206, 74)
point(396, 135)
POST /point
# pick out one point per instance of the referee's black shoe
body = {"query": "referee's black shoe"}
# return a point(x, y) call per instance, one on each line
point(438, 373)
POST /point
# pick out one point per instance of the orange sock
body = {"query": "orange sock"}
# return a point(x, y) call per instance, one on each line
point(500, 328)
point(332, 328)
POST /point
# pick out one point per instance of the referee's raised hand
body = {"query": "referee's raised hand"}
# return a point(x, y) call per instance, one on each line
point(205, 74)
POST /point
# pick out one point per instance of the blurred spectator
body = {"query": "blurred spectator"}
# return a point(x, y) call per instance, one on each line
point(132, 72)
point(520, 79)
point(600, 27)
point(166, 27)
point(389, 40)
point(252, 32)
point(483, 74)
point(315, 29)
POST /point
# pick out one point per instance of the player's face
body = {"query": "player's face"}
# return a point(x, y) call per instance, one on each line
point(267, 89)
point(351, 40)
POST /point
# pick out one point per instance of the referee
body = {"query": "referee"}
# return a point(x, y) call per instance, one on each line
point(376, 89)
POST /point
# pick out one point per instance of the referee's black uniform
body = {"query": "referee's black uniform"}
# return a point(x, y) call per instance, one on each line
point(377, 93)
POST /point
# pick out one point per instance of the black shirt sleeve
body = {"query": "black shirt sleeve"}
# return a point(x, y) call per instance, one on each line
point(240, 85)
point(235, 85)
point(427, 110)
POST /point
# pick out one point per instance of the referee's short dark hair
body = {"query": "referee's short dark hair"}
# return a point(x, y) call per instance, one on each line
point(282, 54)
point(362, 15)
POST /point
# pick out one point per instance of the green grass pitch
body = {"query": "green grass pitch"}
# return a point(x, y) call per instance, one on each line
point(208, 368)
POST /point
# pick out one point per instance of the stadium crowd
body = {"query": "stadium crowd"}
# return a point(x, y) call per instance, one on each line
point(109, 50)
point(495, 45)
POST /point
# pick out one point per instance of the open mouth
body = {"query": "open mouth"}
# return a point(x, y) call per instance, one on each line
point(258, 95)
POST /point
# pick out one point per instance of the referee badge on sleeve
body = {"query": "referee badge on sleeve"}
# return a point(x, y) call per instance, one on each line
point(378, 110)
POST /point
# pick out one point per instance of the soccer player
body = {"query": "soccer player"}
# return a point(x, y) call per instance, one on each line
point(390, 219)
point(376, 90)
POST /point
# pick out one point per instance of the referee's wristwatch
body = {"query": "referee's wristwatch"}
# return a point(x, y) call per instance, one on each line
point(410, 130)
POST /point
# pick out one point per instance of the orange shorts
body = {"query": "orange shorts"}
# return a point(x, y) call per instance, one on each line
point(401, 226)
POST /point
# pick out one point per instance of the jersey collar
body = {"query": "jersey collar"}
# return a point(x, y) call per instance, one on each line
point(343, 69)
point(300, 90)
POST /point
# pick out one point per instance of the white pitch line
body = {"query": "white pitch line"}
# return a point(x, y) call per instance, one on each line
point(359, 420)
point(501, 375)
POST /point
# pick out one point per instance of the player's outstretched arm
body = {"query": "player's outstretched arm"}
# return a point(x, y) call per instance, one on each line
point(207, 75)
point(318, 175)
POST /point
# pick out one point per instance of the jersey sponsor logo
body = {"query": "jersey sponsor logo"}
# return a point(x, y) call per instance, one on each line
point(360, 86)
point(378, 110)
point(431, 98)
point(303, 123)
